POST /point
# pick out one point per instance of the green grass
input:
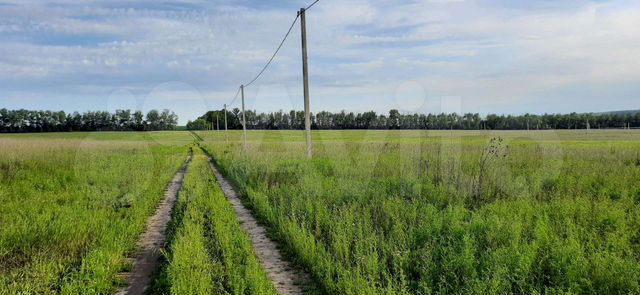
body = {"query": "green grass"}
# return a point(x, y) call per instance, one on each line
point(209, 253)
point(415, 212)
point(73, 206)
point(374, 212)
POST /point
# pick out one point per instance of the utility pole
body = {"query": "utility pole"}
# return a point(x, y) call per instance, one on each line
point(244, 118)
point(218, 123)
point(225, 123)
point(305, 79)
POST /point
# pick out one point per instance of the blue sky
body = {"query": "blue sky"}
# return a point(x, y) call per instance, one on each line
point(486, 56)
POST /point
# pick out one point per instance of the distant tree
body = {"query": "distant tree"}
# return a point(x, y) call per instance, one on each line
point(394, 119)
point(199, 124)
point(48, 121)
point(123, 119)
point(167, 120)
point(153, 120)
point(137, 121)
point(4, 119)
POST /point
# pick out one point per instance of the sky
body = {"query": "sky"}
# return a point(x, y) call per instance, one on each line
point(429, 56)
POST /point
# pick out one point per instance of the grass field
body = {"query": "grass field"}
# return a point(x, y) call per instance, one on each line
point(418, 212)
point(73, 205)
point(374, 212)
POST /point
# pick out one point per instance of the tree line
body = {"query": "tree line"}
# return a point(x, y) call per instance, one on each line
point(52, 121)
point(294, 120)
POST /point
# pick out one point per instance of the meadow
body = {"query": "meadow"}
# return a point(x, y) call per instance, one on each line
point(440, 212)
point(73, 206)
point(373, 212)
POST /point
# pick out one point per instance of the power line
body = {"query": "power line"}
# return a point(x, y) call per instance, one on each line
point(312, 4)
point(234, 98)
point(275, 53)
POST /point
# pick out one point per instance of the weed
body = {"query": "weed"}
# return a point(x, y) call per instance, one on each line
point(491, 155)
point(548, 186)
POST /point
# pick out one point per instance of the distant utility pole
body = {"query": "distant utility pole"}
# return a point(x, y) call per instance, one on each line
point(218, 123)
point(244, 118)
point(225, 122)
point(305, 79)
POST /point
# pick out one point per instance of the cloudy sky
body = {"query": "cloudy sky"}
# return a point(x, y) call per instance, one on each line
point(486, 56)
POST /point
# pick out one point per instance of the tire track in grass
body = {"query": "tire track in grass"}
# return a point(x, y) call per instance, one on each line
point(153, 239)
point(196, 136)
point(287, 280)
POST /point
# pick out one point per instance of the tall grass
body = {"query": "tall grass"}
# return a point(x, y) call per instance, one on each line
point(73, 205)
point(209, 252)
point(401, 212)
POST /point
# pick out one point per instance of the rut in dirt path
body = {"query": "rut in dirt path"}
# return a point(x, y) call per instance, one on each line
point(153, 239)
point(287, 279)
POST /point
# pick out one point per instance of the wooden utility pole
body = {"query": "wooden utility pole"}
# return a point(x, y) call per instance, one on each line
point(225, 122)
point(305, 79)
point(217, 123)
point(244, 118)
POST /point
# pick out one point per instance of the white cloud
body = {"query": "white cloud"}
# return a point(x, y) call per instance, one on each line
point(486, 53)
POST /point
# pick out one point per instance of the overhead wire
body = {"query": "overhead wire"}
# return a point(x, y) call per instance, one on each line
point(234, 98)
point(275, 53)
point(312, 4)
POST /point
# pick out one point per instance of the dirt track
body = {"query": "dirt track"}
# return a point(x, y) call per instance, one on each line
point(286, 279)
point(153, 239)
